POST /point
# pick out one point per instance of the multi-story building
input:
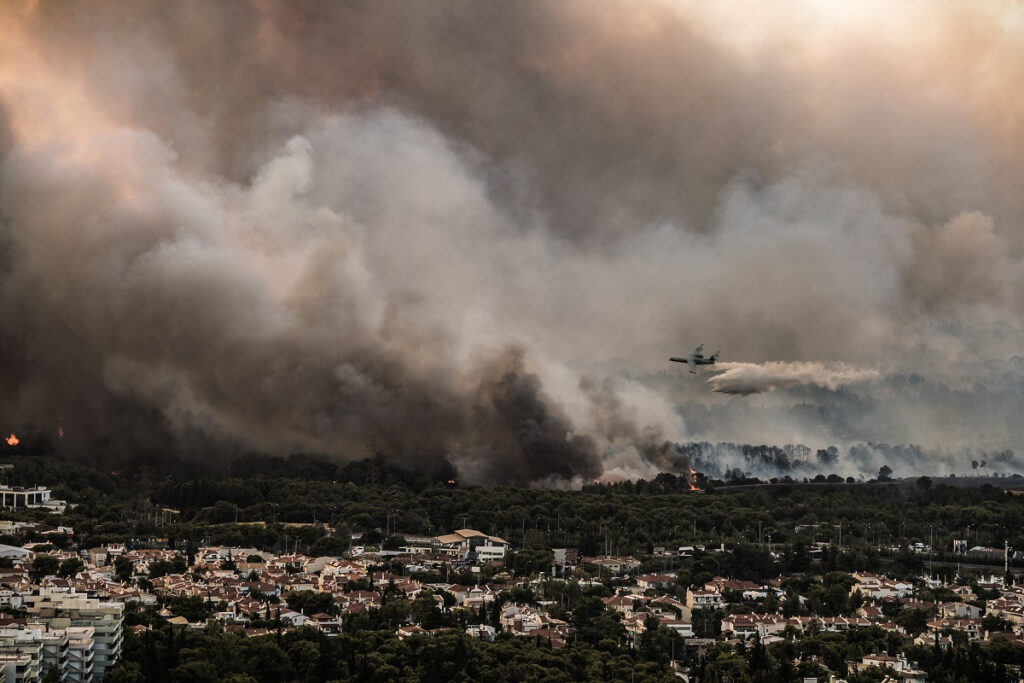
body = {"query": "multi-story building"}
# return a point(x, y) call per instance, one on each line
point(80, 654)
point(15, 645)
point(64, 610)
point(55, 650)
point(704, 599)
point(18, 668)
point(46, 647)
point(22, 497)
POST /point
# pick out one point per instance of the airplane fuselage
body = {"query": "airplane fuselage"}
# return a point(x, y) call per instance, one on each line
point(696, 361)
point(696, 358)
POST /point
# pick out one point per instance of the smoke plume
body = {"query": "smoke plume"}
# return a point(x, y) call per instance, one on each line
point(476, 231)
point(753, 378)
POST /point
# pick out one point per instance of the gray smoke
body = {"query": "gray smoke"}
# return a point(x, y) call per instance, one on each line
point(861, 461)
point(320, 225)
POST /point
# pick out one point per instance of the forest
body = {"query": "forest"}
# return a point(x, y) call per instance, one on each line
point(269, 502)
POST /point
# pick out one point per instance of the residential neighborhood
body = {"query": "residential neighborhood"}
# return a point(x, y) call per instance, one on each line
point(126, 591)
point(70, 620)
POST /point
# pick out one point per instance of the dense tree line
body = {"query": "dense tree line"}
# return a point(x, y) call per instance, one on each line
point(368, 650)
point(250, 504)
point(815, 654)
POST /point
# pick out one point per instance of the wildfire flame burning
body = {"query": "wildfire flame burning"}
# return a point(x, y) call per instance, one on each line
point(12, 440)
point(693, 480)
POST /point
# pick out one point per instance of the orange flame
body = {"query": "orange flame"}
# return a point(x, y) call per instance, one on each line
point(693, 480)
point(12, 440)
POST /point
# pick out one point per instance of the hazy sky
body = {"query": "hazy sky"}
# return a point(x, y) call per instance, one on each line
point(477, 230)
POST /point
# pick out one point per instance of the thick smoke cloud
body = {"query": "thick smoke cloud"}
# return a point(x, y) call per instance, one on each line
point(475, 231)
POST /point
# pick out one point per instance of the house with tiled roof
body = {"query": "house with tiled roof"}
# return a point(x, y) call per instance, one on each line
point(749, 625)
point(653, 581)
point(667, 605)
point(969, 627)
point(620, 603)
point(404, 632)
point(702, 598)
point(326, 623)
point(871, 612)
point(958, 610)
point(749, 589)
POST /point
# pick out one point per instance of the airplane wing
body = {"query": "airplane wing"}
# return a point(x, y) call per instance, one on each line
point(699, 350)
point(693, 365)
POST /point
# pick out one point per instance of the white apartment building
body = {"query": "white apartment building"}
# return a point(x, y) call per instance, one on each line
point(81, 647)
point(55, 652)
point(15, 646)
point(18, 668)
point(65, 610)
point(46, 647)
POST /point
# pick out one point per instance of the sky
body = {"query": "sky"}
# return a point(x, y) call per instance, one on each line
point(475, 231)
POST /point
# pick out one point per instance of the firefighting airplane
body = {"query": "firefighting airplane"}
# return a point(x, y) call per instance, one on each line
point(696, 358)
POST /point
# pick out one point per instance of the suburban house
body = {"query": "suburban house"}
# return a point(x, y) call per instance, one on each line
point(656, 581)
point(970, 627)
point(880, 587)
point(481, 631)
point(620, 603)
point(959, 610)
point(704, 599)
point(614, 565)
point(907, 672)
point(749, 625)
point(562, 560)
point(748, 589)
point(681, 626)
point(469, 544)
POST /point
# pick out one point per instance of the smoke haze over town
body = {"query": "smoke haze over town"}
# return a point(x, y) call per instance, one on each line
point(476, 232)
